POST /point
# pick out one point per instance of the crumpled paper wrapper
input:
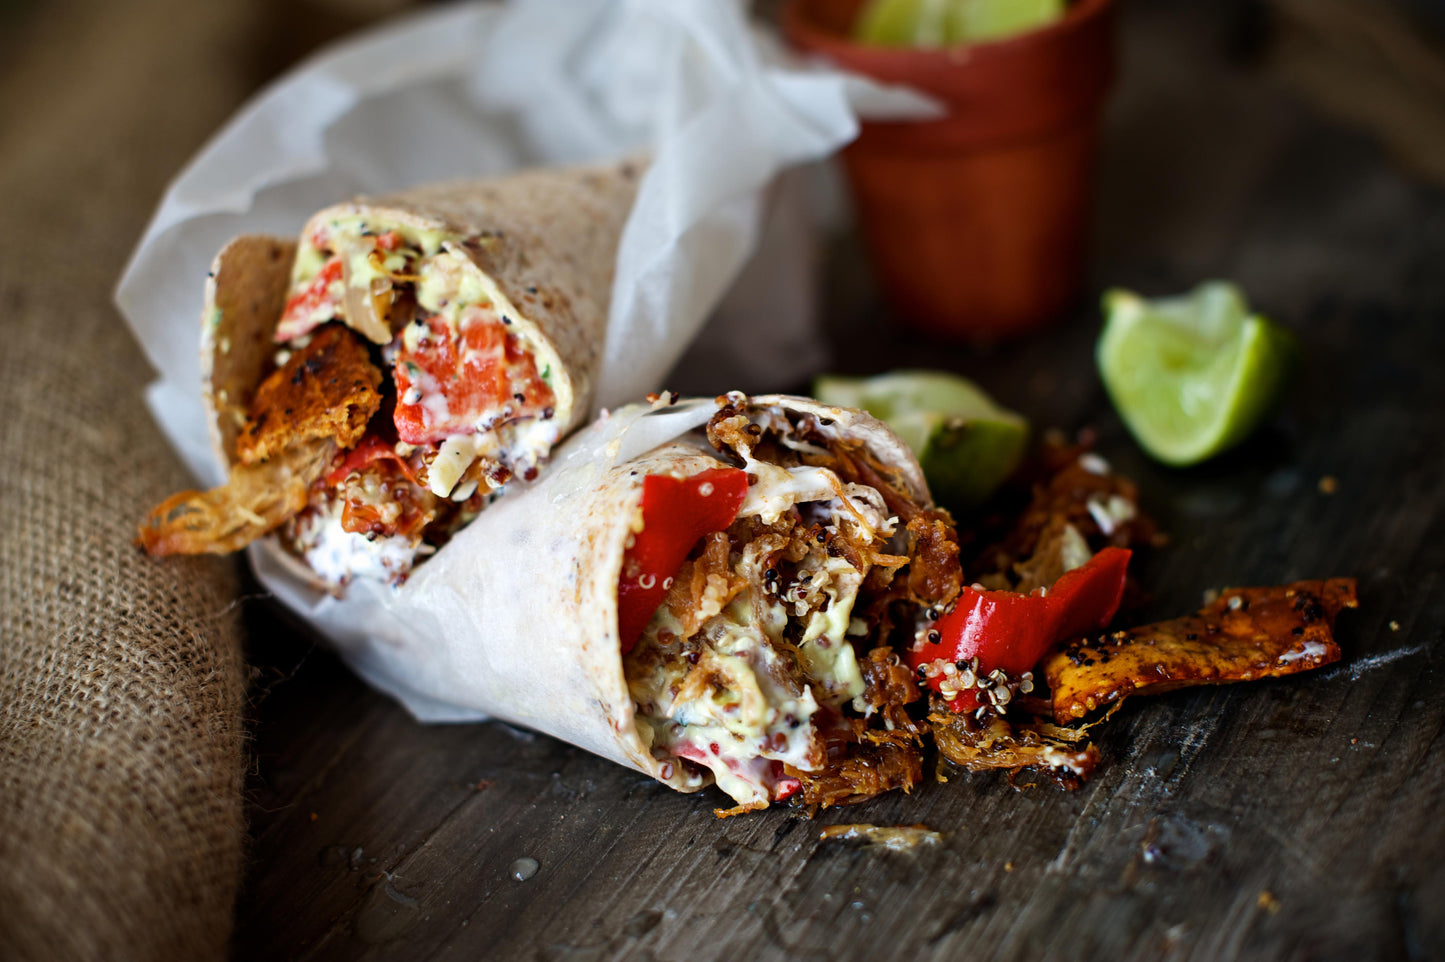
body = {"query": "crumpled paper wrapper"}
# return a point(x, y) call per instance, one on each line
point(476, 90)
point(479, 89)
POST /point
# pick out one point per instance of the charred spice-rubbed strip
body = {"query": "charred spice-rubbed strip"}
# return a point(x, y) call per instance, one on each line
point(317, 404)
point(1245, 634)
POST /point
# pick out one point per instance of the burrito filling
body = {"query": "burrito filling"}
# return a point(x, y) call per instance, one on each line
point(756, 667)
point(462, 401)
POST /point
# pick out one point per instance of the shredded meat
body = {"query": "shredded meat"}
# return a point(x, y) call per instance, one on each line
point(1029, 552)
point(727, 431)
point(991, 743)
point(327, 389)
point(868, 756)
point(862, 769)
point(731, 430)
point(889, 687)
point(256, 499)
point(1245, 634)
point(853, 462)
point(935, 575)
point(704, 585)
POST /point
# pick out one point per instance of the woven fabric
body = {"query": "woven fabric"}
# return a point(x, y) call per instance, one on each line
point(121, 678)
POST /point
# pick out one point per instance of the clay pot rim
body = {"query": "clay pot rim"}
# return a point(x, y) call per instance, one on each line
point(806, 35)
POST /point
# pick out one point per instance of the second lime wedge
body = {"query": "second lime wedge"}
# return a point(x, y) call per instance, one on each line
point(966, 443)
point(1192, 375)
point(942, 23)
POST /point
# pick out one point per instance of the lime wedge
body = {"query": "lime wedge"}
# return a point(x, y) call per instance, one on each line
point(966, 443)
point(940, 23)
point(1192, 375)
point(996, 19)
point(903, 23)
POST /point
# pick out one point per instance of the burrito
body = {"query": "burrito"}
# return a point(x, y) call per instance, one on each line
point(375, 384)
point(700, 590)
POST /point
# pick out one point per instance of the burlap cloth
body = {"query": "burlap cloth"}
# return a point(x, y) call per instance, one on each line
point(121, 679)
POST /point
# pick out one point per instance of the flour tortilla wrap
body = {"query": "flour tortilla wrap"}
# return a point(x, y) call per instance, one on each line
point(542, 243)
point(516, 617)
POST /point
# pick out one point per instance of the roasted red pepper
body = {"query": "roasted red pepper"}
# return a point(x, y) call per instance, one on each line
point(1004, 629)
point(371, 448)
point(302, 312)
point(447, 381)
point(676, 512)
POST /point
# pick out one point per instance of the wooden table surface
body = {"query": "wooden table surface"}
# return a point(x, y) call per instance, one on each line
point(1289, 819)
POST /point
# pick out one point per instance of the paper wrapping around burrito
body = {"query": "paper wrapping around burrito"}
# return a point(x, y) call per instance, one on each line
point(547, 239)
point(516, 617)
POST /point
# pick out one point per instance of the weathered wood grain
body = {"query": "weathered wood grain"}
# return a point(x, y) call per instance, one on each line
point(1295, 818)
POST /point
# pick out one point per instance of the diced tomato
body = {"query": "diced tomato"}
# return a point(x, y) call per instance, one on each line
point(454, 381)
point(675, 514)
point(304, 310)
point(389, 241)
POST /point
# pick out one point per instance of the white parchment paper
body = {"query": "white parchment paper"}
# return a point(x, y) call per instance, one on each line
point(480, 89)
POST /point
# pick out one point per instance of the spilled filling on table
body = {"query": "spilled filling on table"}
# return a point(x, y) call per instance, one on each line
point(784, 662)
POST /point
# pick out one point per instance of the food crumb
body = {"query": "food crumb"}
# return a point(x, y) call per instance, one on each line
point(1394, 625)
point(1008, 866)
point(895, 838)
point(1268, 902)
point(314, 816)
point(1329, 484)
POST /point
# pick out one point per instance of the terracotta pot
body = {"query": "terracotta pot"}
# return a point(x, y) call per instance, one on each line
point(976, 222)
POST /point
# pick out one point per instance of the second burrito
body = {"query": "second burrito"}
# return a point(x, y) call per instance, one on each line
point(373, 385)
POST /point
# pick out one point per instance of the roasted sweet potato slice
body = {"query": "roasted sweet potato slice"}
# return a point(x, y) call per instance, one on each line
point(1246, 633)
point(327, 389)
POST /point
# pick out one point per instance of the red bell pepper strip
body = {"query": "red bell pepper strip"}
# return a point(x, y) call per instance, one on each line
point(1004, 629)
point(676, 512)
point(371, 448)
point(302, 311)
